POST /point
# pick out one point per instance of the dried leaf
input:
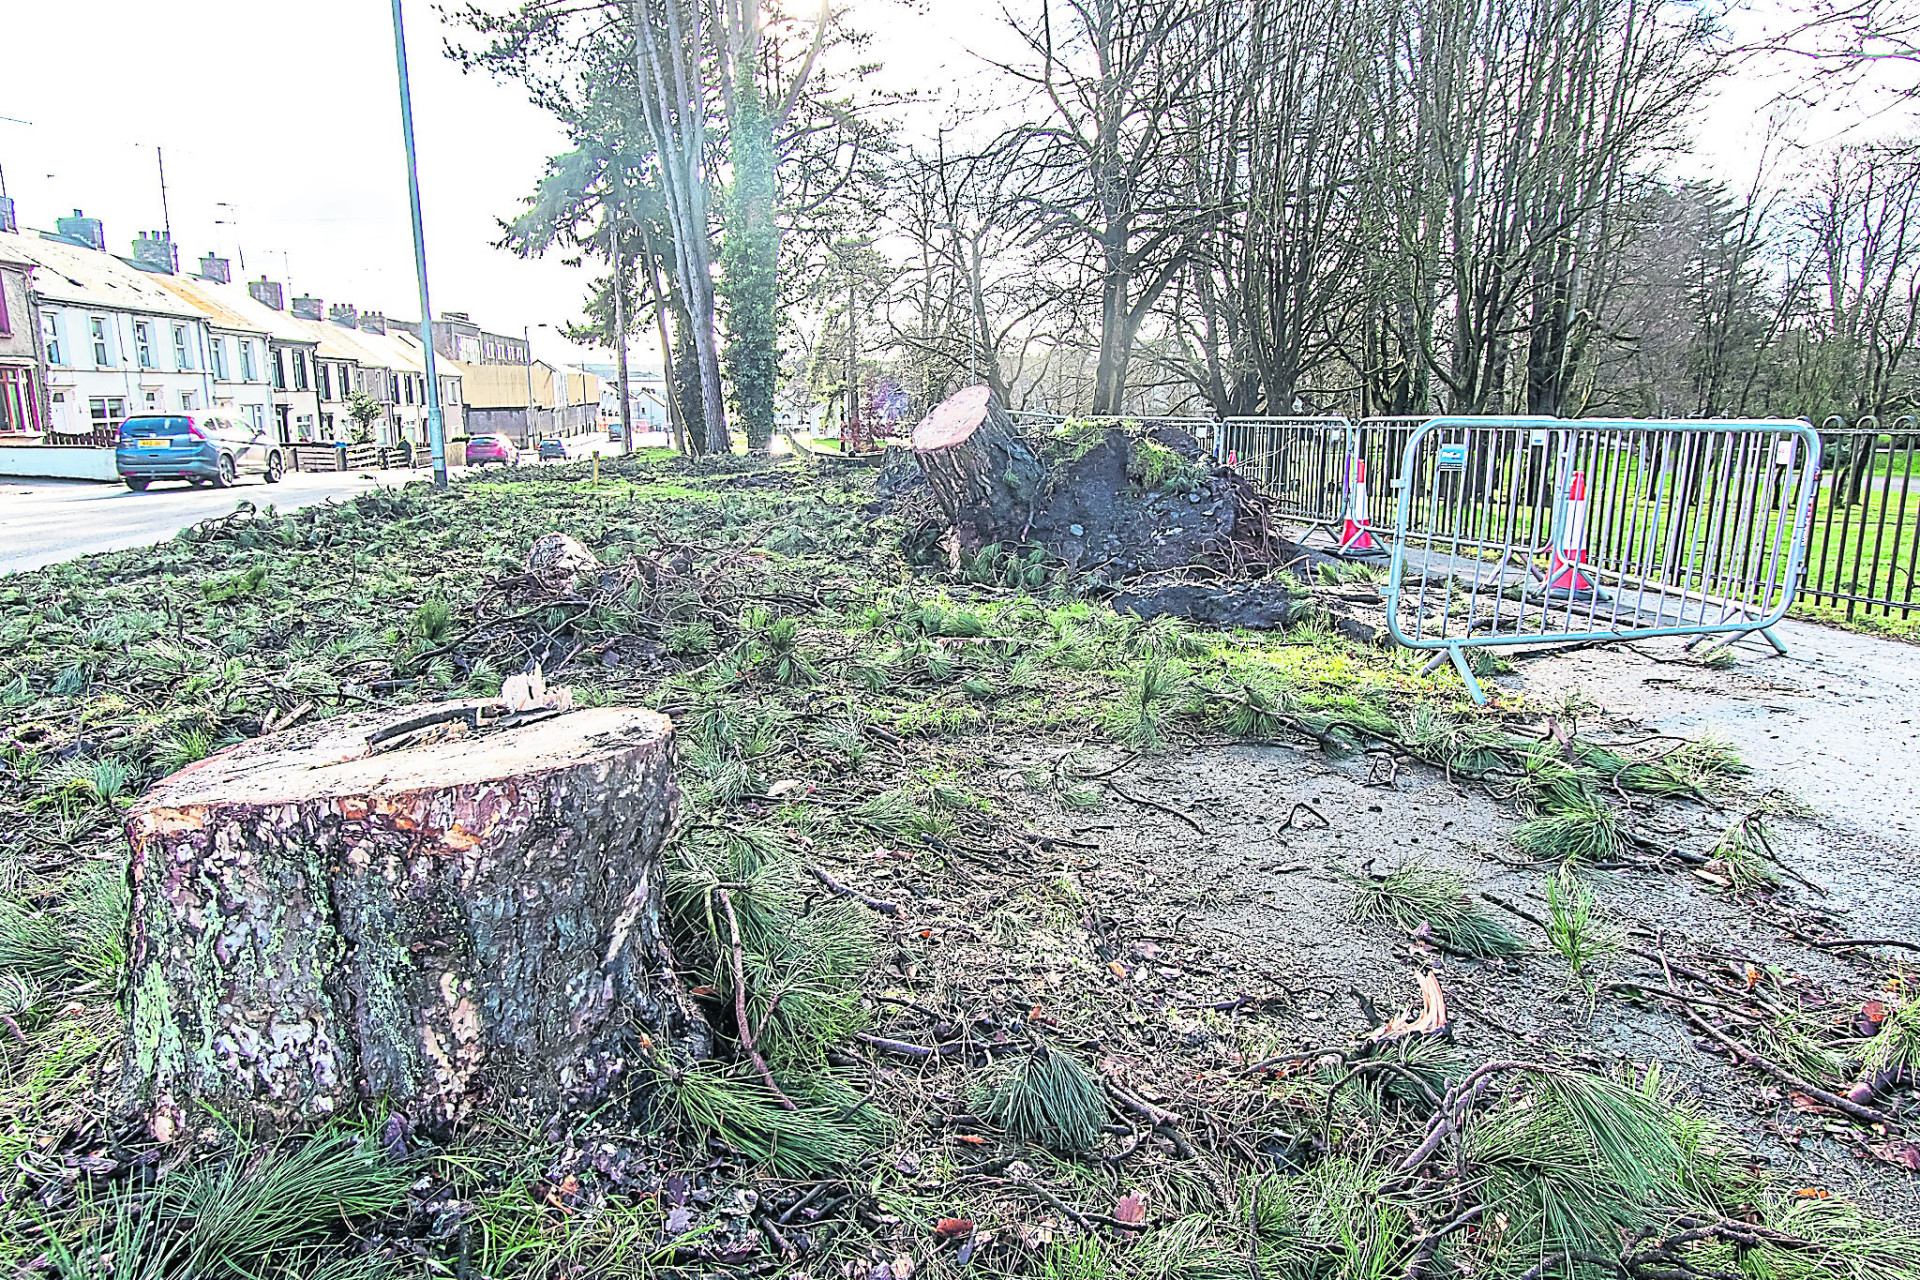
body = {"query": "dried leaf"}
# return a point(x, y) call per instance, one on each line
point(1131, 1209)
point(903, 1267)
point(953, 1228)
point(1813, 1193)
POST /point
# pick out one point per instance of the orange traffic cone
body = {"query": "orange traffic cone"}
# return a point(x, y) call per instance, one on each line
point(1566, 579)
point(1355, 538)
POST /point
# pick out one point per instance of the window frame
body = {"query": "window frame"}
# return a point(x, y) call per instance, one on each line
point(217, 356)
point(182, 352)
point(143, 343)
point(50, 336)
point(102, 352)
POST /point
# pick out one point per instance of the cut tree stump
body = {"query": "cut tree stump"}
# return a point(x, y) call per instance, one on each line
point(983, 473)
point(424, 909)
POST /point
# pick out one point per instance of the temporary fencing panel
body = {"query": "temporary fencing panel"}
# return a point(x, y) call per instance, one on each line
point(1517, 531)
point(1303, 464)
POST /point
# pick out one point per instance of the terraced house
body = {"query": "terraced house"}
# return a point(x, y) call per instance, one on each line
point(115, 342)
point(22, 392)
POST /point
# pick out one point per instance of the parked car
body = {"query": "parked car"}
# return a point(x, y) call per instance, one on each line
point(553, 449)
point(496, 449)
point(195, 447)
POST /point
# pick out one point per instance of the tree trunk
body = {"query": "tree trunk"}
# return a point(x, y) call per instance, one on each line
point(984, 475)
point(427, 910)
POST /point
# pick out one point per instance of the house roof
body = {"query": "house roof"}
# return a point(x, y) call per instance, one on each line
point(90, 278)
point(215, 307)
point(258, 315)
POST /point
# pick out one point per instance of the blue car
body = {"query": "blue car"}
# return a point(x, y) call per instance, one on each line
point(195, 447)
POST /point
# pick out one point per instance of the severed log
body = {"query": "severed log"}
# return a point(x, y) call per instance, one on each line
point(983, 473)
point(423, 909)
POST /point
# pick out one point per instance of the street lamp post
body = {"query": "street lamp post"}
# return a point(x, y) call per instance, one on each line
point(526, 336)
point(436, 429)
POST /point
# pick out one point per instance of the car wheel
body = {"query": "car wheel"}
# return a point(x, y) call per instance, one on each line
point(138, 486)
point(225, 479)
point(276, 468)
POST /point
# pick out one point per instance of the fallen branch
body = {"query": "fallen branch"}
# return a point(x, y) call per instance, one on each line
point(1742, 1054)
point(1154, 804)
point(740, 1001)
point(881, 905)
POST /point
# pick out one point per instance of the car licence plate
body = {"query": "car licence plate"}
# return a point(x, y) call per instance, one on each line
point(152, 443)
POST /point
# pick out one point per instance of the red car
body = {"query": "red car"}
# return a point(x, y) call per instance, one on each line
point(497, 449)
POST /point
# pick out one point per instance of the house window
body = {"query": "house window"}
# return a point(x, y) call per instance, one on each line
point(98, 326)
point(182, 358)
point(6, 325)
point(217, 349)
point(299, 371)
point(106, 412)
point(18, 411)
point(257, 417)
point(393, 388)
point(50, 330)
point(326, 380)
point(247, 371)
point(407, 388)
point(186, 402)
point(279, 369)
point(143, 343)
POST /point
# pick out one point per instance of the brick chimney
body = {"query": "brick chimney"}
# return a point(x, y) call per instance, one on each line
point(153, 251)
point(82, 230)
point(308, 308)
point(343, 314)
point(373, 322)
point(216, 268)
point(268, 293)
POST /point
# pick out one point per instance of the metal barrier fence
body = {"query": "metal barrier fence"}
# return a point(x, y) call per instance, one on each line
point(1521, 531)
point(1863, 549)
point(1303, 464)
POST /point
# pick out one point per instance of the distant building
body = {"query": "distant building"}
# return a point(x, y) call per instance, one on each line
point(23, 384)
point(115, 342)
point(457, 337)
point(566, 401)
point(235, 343)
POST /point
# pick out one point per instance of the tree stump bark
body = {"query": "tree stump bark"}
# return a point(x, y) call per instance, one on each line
point(984, 475)
point(423, 909)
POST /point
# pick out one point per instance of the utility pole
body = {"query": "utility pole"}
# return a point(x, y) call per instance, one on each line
point(436, 427)
point(166, 218)
point(620, 328)
point(526, 333)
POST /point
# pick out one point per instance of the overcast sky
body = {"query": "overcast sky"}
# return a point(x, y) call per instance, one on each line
point(279, 122)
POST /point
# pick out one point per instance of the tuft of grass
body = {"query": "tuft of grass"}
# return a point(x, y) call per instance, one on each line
point(1155, 695)
point(1463, 744)
point(829, 1128)
point(1047, 1097)
point(1741, 854)
point(1575, 927)
point(286, 1211)
point(1706, 766)
point(432, 620)
point(1420, 893)
point(1586, 831)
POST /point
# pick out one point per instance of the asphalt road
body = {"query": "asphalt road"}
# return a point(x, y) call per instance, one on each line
point(44, 522)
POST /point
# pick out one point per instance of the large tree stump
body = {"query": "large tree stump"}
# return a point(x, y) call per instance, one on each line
point(423, 909)
point(983, 473)
point(1120, 499)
